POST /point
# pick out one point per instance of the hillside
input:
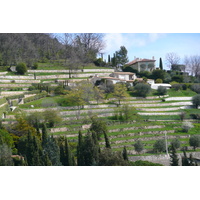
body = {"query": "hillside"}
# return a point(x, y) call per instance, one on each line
point(153, 118)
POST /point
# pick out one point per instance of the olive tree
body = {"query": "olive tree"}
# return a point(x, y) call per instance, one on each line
point(194, 141)
point(142, 89)
point(196, 100)
point(138, 146)
point(159, 146)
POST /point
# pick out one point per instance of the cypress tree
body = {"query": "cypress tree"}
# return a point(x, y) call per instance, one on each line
point(185, 161)
point(47, 161)
point(53, 151)
point(107, 140)
point(124, 154)
point(108, 58)
point(160, 64)
point(80, 154)
point(44, 134)
point(68, 154)
point(174, 157)
point(88, 150)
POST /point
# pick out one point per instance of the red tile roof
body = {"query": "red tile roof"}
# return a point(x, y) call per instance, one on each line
point(140, 60)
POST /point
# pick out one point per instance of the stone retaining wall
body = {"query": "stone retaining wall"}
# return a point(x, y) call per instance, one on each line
point(20, 81)
point(74, 71)
point(133, 128)
point(11, 93)
point(167, 113)
point(15, 85)
point(178, 99)
point(158, 109)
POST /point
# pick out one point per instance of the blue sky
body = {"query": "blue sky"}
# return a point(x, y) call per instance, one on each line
point(146, 45)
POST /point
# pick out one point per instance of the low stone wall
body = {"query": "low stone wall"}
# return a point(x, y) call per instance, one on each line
point(158, 109)
point(20, 81)
point(145, 104)
point(178, 99)
point(2, 73)
point(133, 128)
point(11, 93)
point(74, 71)
point(17, 77)
point(61, 129)
point(14, 85)
point(167, 113)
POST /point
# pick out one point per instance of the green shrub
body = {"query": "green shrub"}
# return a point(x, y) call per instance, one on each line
point(35, 66)
point(194, 141)
point(159, 80)
point(162, 90)
point(196, 100)
point(21, 68)
point(159, 146)
point(196, 88)
point(177, 87)
point(186, 126)
point(142, 89)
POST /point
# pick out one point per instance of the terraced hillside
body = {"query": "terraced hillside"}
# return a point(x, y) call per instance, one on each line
point(158, 116)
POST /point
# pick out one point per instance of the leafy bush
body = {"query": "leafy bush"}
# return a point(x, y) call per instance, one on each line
point(196, 88)
point(142, 89)
point(184, 86)
point(194, 141)
point(162, 90)
point(176, 143)
point(35, 66)
point(177, 78)
point(186, 126)
point(51, 117)
point(159, 146)
point(196, 100)
point(138, 146)
point(159, 80)
point(177, 87)
point(21, 68)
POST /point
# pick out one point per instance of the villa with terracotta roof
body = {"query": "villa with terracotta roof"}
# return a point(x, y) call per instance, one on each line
point(143, 64)
point(117, 77)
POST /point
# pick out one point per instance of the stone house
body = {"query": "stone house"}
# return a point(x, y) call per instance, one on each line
point(142, 64)
point(117, 77)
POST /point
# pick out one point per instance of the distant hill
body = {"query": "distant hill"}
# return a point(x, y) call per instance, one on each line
point(27, 47)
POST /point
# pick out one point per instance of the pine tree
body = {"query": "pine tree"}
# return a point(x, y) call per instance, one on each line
point(124, 154)
point(174, 157)
point(160, 64)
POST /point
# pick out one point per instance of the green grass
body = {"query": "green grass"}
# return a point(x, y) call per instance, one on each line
point(181, 93)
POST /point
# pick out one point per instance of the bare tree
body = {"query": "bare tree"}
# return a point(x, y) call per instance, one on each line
point(88, 45)
point(172, 59)
point(193, 65)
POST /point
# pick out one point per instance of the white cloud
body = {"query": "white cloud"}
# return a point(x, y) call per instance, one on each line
point(129, 40)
